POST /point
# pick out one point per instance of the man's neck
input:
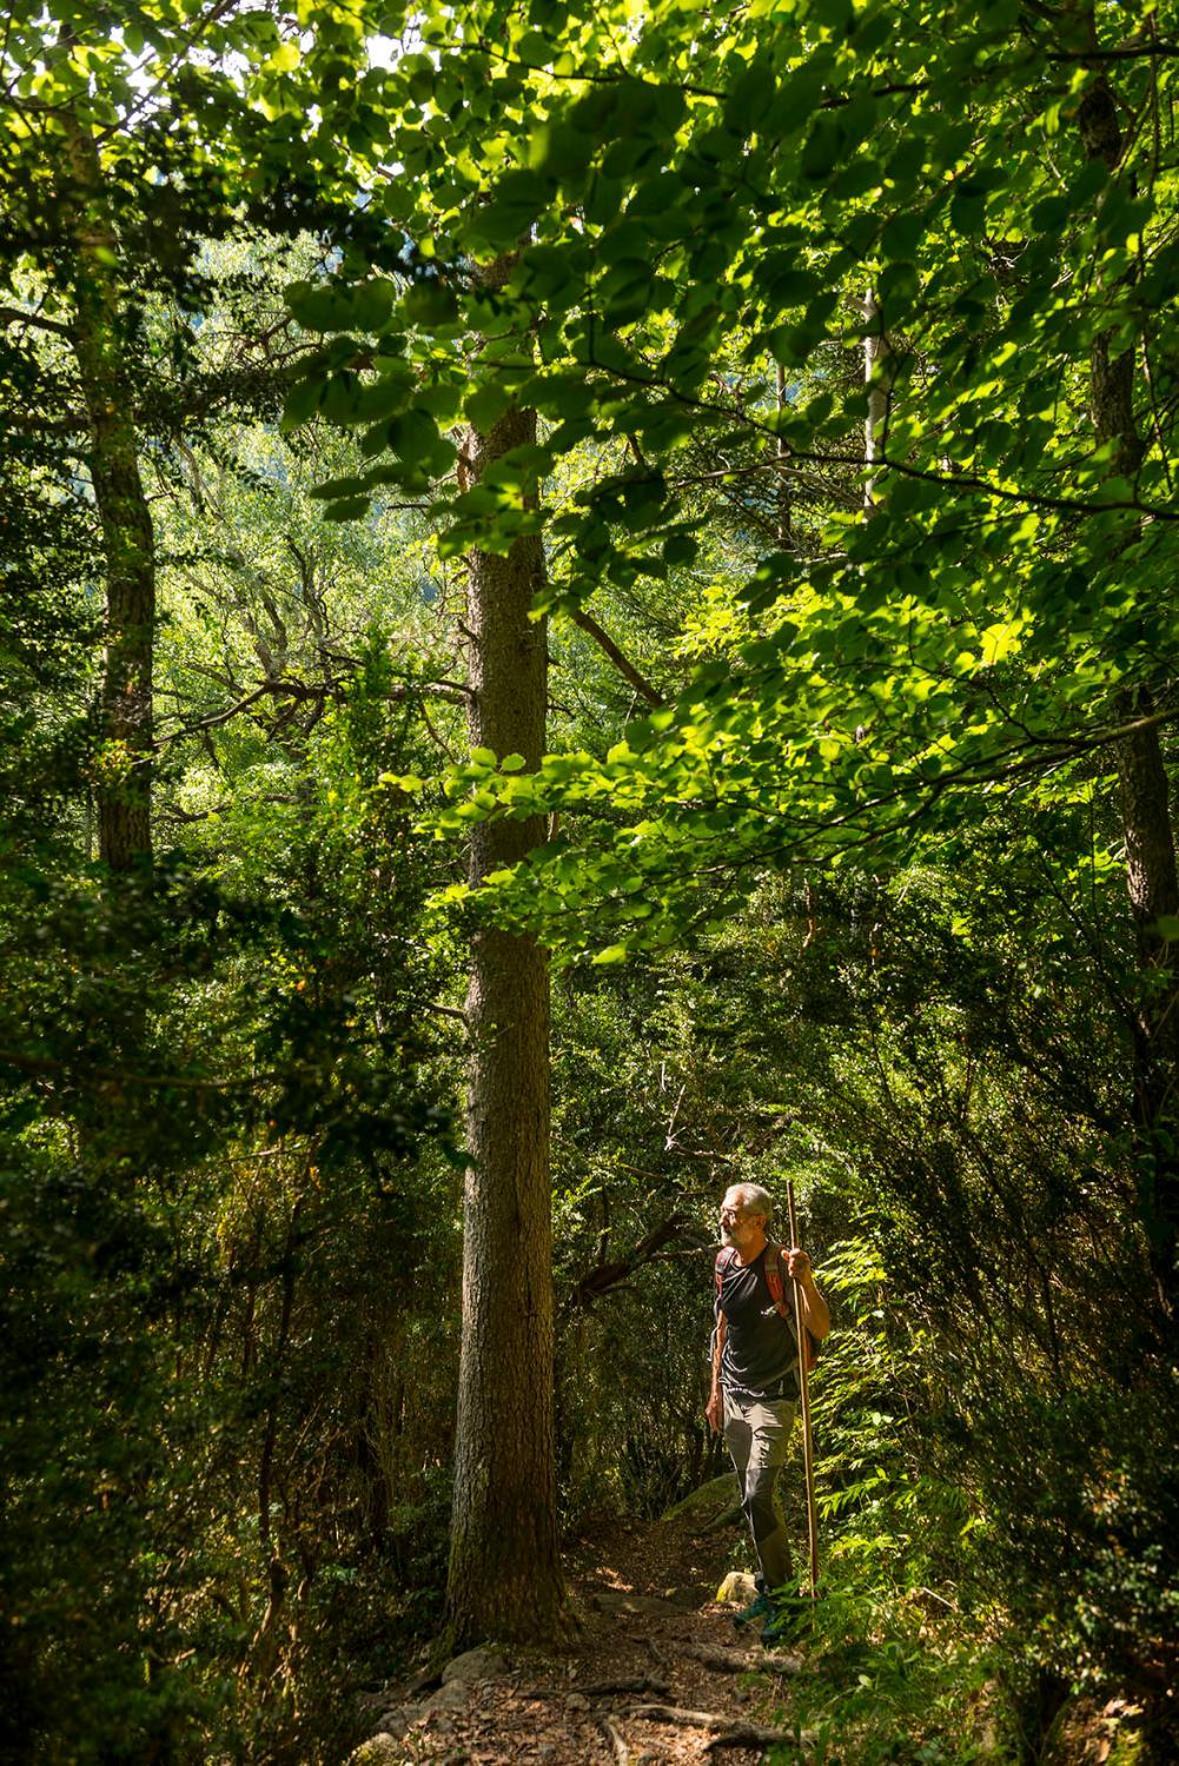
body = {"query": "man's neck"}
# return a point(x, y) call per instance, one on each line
point(747, 1254)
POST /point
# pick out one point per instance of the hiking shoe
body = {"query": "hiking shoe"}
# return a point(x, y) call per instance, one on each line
point(760, 1607)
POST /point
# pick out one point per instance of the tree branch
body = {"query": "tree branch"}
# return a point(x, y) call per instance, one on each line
point(17, 316)
point(399, 692)
point(604, 1276)
point(625, 667)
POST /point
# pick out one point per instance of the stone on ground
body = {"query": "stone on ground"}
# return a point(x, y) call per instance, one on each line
point(738, 1586)
point(711, 1499)
point(485, 1663)
point(379, 1750)
point(617, 1600)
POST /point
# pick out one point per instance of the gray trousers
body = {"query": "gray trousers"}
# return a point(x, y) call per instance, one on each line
point(756, 1437)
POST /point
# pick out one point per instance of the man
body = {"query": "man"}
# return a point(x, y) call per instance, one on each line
point(755, 1388)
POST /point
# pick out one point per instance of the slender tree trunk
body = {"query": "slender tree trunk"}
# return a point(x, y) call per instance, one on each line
point(1144, 801)
point(123, 788)
point(877, 354)
point(784, 533)
point(505, 1574)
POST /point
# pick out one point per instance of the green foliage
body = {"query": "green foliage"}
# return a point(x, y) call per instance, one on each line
point(720, 196)
point(834, 882)
point(190, 1341)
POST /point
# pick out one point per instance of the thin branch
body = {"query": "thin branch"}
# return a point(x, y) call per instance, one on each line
point(448, 1012)
point(604, 1276)
point(1130, 52)
point(18, 316)
point(625, 667)
point(400, 692)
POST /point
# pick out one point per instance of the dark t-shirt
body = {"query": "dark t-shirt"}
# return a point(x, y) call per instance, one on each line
point(759, 1359)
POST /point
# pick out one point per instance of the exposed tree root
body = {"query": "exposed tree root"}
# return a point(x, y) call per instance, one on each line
point(730, 1726)
point(617, 1741)
point(639, 1683)
point(724, 1661)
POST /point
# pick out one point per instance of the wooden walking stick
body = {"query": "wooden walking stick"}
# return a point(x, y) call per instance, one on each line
point(808, 1457)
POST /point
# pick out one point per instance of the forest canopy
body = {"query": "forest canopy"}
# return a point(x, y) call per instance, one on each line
point(587, 618)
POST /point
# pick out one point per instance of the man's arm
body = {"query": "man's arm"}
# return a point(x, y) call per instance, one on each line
point(714, 1409)
point(815, 1314)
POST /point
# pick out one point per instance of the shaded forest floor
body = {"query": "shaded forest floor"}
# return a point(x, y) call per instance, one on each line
point(657, 1656)
point(659, 1673)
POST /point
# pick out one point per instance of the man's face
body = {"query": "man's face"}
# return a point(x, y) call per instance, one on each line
point(737, 1225)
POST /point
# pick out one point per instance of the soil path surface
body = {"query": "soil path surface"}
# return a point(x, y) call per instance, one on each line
point(657, 1673)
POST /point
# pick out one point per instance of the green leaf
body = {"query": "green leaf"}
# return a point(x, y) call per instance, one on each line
point(821, 150)
point(518, 199)
point(413, 437)
point(351, 509)
point(751, 96)
point(370, 305)
point(302, 403)
point(318, 306)
point(382, 397)
point(486, 405)
point(900, 236)
point(613, 953)
point(340, 487)
point(430, 303)
point(680, 548)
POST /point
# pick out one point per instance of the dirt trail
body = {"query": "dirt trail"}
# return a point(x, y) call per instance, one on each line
point(655, 1650)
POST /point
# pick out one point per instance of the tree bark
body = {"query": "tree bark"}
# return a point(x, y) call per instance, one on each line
point(1154, 897)
point(123, 786)
point(784, 533)
point(505, 1573)
point(1144, 801)
point(877, 355)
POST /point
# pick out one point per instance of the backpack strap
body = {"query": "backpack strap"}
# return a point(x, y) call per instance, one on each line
point(776, 1283)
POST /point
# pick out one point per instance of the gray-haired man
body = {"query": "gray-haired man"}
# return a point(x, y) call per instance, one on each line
point(755, 1390)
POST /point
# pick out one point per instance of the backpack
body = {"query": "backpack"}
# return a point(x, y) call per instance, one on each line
point(776, 1283)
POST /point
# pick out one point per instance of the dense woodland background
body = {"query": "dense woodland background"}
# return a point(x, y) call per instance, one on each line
point(767, 413)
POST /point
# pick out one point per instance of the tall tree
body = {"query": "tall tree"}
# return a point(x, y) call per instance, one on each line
point(1144, 792)
point(505, 1575)
point(98, 327)
point(115, 172)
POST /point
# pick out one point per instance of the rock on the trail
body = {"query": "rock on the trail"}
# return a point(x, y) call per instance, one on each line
point(738, 1585)
point(616, 1600)
point(399, 1718)
point(454, 1695)
point(459, 1679)
point(396, 1721)
point(485, 1663)
point(378, 1750)
point(711, 1499)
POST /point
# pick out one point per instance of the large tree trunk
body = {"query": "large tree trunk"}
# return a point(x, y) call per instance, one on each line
point(123, 787)
point(505, 1573)
point(1145, 808)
